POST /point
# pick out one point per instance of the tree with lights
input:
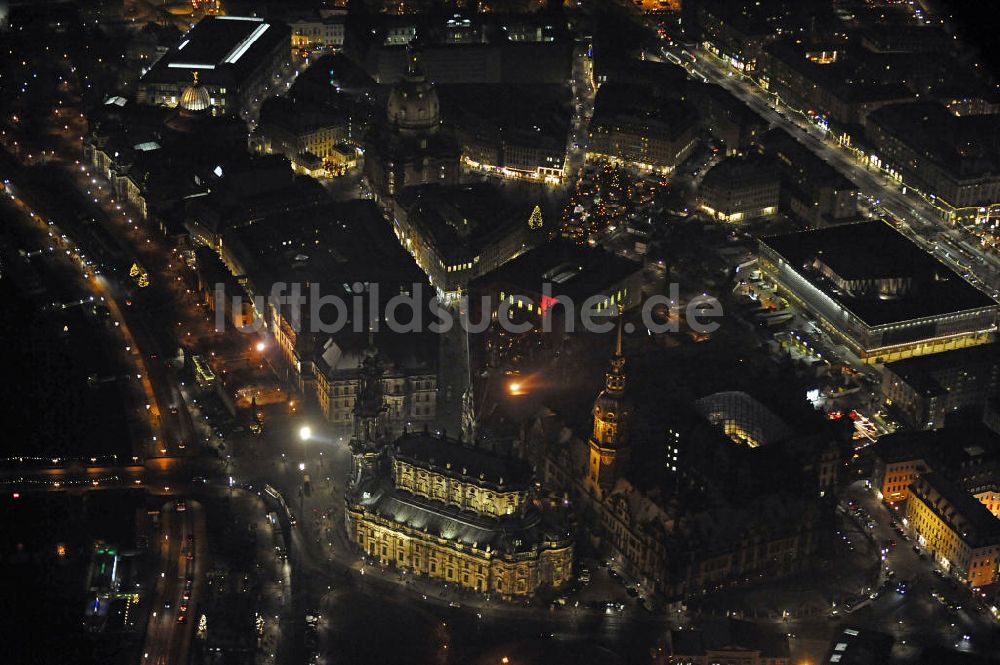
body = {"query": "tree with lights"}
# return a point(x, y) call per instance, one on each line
point(535, 220)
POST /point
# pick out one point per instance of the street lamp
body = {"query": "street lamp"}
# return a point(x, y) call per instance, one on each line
point(305, 432)
point(261, 346)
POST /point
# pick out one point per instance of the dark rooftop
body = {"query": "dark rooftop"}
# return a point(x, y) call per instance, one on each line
point(970, 518)
point(640, 103)
point(872, 251)
point(527, 113)
point(728, 634)
point(796, 158)
point(450, 457)
point(332, 244)
point(859, 646)
point(857, 74)
point(733, 172)
point(949, 448)
point(955, 143)
point(572, 270)
point(298, 117)
point(463, 219)
point(510, 533)
point(919, 371)
point(222, 49)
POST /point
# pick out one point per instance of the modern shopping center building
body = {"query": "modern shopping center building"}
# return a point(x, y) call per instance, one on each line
point(877, 292)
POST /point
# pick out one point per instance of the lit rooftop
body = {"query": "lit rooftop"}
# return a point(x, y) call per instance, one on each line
point(227, 43)
point(870, 251)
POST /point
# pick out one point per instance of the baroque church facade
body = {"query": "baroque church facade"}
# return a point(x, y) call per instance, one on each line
point(446, 510)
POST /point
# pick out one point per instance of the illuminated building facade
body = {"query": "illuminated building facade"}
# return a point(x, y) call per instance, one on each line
point(632, 128)
point(962, 534)
point(409, 382)
point(236, 58)
point(324, 29)
point(898, 460)
point(509, 131)
point(459, 233)
point(735, 33)
point(212, 274)
point(833, 83)
point(876, 292)
point(967, 453)
point(940, 152)
point(510, 155)
point(297, 128)
point(446, 510)
point(738, 190)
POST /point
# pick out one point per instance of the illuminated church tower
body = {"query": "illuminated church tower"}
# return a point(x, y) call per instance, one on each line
point(370, 435)
point(609, 441)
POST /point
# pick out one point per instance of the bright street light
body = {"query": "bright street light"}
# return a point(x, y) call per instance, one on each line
point(305, 432)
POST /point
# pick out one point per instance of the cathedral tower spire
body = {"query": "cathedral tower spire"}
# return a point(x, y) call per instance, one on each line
point(612, 415)
point(370, 433)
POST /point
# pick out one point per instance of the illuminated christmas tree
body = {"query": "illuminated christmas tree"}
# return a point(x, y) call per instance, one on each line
point(535, 220)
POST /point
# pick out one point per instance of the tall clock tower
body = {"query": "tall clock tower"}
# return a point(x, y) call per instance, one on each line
point(609, 448)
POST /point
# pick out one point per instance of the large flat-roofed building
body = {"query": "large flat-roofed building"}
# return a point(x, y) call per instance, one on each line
point(838, 84)
point(471, 48)
point(323, 250)
point(923, 391)
point(509, 131)
point(634, 127)
point(738, 190)
point(968, 453)
point(556, 278)
point(457, 233)
point(728, 641)
point(233, 57)
point(942, 153)
point(876, 292)
point(961, 533)
point(811, 189)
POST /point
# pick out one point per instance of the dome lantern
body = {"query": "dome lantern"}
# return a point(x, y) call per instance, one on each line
point(195, 97)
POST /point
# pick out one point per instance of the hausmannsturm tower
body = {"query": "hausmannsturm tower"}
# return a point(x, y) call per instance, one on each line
point(609, 441)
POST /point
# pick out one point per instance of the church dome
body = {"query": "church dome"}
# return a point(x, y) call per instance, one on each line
point(195, 98)
point(413, 103)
